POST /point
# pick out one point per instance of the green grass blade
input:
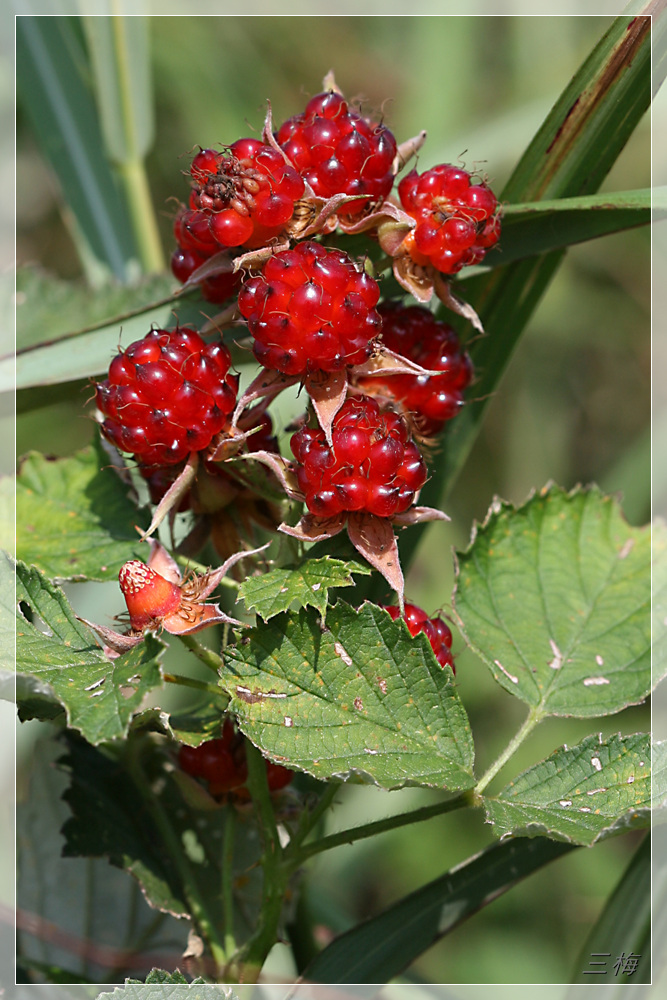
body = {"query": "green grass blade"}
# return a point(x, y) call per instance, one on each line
point(623, 927)
point(121, 68)
point(381, 948)
point(570, 156)
point(540, 226)
point(52, 84)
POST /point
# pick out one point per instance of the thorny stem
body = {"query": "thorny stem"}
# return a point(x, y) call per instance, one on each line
point(210, 659)
point(535, 715)
point(382, 825)
point(174, 847)
point(275, 874)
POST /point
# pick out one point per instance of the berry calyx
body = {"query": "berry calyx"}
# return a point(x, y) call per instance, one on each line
point(457, 221)
point(166, 396)
point(338, 151)
point(427, 401)
point(310, 310)
point(436, 631)
point(149, 597)
point(373, 465)
point(244, 197)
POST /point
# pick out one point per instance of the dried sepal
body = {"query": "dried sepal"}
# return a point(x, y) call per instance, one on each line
point(266, 386)
point(315, 529)
point(327, 391)
point(443, 290)
point(373, 537)
point(174, 494)
point(281, 469)
point(418, 515)
point(407, 150)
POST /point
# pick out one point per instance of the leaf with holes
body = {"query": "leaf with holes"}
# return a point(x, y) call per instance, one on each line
point(359, 697)
point(62, 666)
point(579, 794)
point(554, 596)
point(75, 518)
point(306, 584)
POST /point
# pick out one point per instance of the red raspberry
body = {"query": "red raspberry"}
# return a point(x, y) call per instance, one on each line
point(436, 631)
point(415, 333)
point(457, 221)
point(167, 396)
point(222, 763)
point(310, 310)
point(244, 197)
point(339, 152)
point(373, 465)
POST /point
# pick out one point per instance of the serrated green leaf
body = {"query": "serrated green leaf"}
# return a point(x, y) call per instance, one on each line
point(624, 925)
point(359, 697)
point(64, 666)
point(307, 584)
point(53, 89)
point(126, 806)
point(554, 596)
point(579, 794)
point(75, 517)
point(540, 226)
point(379, 949)
point(194, 726)
point(174, 982)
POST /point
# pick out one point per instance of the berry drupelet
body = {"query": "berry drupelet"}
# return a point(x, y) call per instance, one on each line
point(428, 401)
point(338, 151)
point(457, 221)
point(166, 396)
point(310, 310)
point(373, 465)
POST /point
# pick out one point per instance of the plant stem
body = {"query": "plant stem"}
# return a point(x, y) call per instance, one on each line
point(210, 659)
point(192, 683)
point(535, 715)
point(275, 873)
point(381, 826)
point(174, 848)
point(310, 818)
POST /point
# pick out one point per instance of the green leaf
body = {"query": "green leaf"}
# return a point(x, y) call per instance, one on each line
point(540, 226)
point(126, 806)
point(52, 78)
point(659, 595)
point(381, 948)
point(579, 794)
point(624, 925)
point(60, 664)
point(159, 977)
point(307, 584)
point(554, 596)
point(359, 697)
point(75, 517)
point(193, 726)
point(114, 912)
point(47, 307)
point(570, 156)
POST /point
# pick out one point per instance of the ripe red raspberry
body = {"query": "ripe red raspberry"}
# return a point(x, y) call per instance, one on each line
point(457, 221)
point(373, 465)
point(436, 631)
point(339, 152)
point(428, 401)
point(167, 395)
point(217, 288)
point(310, 310)
point(244, 197)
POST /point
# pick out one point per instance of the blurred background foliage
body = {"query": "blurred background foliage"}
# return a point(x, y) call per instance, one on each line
point(574, 405)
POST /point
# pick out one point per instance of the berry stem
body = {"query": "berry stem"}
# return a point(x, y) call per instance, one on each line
point(310, 818)
point(381, 826)
point(535, 715)
point(133, 176)
point(207, 656)
point(198, 686)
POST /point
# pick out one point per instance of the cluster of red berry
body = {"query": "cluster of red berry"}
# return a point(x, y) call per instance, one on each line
point(221, 763)
point(380, 376)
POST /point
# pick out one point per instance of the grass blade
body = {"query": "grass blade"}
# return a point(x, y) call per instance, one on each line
point(51, 77)
point(381, 948)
